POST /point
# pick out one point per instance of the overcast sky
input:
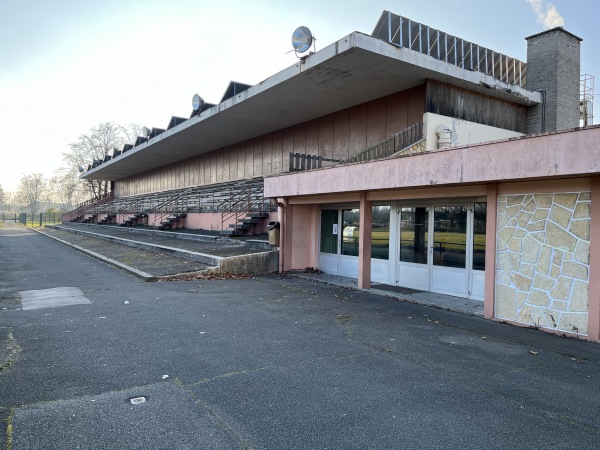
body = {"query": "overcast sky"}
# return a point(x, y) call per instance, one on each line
point(68, 65)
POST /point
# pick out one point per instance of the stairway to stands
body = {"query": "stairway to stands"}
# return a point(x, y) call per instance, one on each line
point(137, 219)
point(172, 222)
point(247, 208)
point(246, 225)
point(107, 219)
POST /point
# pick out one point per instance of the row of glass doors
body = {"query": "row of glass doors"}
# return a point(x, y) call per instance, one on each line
point(430, 247)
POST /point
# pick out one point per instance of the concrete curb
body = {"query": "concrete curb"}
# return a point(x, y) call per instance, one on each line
point(145, 276)
point(204, 258)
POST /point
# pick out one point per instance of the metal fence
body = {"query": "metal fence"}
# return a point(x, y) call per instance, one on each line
point(33, 220)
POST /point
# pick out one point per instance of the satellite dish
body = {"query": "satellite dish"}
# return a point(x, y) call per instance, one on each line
point(81, 169)
point(302, 39)
point(197, 102)
point(146, 132)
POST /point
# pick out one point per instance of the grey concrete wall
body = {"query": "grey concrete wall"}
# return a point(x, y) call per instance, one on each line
point(553, 64)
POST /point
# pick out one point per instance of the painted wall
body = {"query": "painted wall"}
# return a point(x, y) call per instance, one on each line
point(542, 260)
point(335, 136)
point(463, 132)
point(301, 229)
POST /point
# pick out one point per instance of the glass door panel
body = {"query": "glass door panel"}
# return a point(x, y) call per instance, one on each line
point(350, 226)
point(413, 267)
point(329, 231)
point(479, 225)
point(414, 234)
point(450, 236)
point(380, 233)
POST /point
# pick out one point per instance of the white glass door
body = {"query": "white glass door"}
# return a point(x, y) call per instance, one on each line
point(442, 248)
point(449, 250)
point(413, 266)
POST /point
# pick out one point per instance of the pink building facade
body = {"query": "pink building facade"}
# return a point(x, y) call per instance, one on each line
point(510, 223)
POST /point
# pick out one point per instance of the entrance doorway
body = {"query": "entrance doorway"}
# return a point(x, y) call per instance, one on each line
point(442, 248)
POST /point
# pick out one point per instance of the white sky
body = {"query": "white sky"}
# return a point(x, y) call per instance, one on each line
point(68, 65)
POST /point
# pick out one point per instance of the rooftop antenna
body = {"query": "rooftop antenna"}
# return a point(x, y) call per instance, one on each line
point(302, 39)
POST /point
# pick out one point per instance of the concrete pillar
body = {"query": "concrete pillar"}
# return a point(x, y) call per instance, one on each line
point(489, 296)
point(364, 242)
point(282, 215)
point(594, 288)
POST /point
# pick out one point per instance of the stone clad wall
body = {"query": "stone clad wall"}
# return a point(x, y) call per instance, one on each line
point(542, 260)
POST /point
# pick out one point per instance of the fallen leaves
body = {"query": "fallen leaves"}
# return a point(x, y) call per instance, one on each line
point(203, 276)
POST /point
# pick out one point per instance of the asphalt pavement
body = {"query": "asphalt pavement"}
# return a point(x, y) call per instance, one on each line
point(270, 362)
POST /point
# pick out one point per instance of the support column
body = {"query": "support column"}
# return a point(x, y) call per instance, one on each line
point(364, 242)
point(594, 288)
point(281, 213)
point(489, 296)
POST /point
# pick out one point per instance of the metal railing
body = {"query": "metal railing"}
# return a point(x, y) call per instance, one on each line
point(239, 203)
point(404, 143)
point(224, 198)
point(405, 33)
point(392, 145)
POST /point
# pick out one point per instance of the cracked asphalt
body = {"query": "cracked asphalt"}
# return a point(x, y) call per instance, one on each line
point(271, 362)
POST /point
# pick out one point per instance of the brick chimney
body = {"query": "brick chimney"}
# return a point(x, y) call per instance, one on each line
point(553, 66)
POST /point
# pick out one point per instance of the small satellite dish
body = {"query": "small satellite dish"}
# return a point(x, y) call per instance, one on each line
point(302, 39)
point(197, 102)
point(81, 169)
point(146, 132)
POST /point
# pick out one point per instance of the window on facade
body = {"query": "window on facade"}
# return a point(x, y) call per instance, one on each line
point(414, 225)
point(329, 231)
point(350, 224)
point(479, 224)
point(380, 234)
point(450, 236)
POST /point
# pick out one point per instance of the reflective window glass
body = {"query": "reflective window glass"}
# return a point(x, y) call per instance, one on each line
point(380, 234)
point(450, 236)
point(329, 231)
point(479, 224)
point(350, 224)
point(414, 235)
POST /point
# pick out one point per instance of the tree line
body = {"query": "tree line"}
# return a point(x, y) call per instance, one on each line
point(63, 191)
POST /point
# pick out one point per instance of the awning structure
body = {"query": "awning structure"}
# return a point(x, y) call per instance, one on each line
point(356, 69)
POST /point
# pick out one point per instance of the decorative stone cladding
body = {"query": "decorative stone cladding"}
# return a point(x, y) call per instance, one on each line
point(542, 260)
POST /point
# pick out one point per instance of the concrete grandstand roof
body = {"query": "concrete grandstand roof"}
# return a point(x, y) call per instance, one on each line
point(354, 70)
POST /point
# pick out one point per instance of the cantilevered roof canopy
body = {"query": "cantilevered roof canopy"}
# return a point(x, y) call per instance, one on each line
point(354, 70)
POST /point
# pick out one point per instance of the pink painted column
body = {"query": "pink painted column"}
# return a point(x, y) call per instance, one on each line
point(594, 288)
point(364, 242)
point(281, 212)
point(489, 295)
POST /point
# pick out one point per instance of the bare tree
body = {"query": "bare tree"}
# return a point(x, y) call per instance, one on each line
point(66, 189)
point(101, 141)
point(1, 199)
point(32, 192)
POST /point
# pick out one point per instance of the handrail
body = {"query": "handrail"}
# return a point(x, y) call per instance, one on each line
point(388, 147)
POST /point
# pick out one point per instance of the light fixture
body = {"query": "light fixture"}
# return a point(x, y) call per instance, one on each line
point(302, 39)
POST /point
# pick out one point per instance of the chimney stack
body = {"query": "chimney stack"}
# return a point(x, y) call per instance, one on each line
point(553, 67)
